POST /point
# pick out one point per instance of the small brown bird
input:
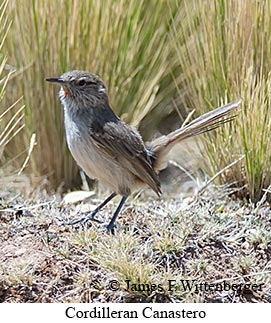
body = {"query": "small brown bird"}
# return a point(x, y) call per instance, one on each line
point(111, 151)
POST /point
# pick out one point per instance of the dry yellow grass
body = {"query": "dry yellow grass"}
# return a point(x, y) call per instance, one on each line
point(124, 42)
point(223, 49)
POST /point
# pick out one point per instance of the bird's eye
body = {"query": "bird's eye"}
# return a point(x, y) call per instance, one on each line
point(81, 82)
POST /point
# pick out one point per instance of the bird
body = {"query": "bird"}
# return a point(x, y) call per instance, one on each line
point(113, 152)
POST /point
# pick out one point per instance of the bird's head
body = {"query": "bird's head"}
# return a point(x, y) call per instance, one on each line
point(80, 87)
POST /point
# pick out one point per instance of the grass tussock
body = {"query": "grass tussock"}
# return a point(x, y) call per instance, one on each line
point(124, 42)
point(10, 126)
point(11, 115)
point(156, 58)
point(223, 49)
point(209, 240)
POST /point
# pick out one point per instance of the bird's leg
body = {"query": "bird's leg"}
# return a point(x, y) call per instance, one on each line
point(91, 215)
point(110, 226)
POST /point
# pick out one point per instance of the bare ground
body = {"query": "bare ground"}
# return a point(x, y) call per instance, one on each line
point(211, 239)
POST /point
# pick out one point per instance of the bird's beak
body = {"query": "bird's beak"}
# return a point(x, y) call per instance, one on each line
point(64, 85)
point(54, 79)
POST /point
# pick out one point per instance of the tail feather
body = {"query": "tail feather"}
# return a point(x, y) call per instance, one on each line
point(161, 146)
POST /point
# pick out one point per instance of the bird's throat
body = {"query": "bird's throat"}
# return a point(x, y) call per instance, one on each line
point(67, 91)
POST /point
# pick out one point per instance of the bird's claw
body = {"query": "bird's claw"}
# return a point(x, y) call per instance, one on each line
point(84, 219)
point(110, 229)
point(90, 216)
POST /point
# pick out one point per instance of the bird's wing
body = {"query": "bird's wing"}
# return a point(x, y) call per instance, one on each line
point(124, 144)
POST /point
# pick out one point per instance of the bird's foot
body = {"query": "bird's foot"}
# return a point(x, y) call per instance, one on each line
point(90, 216)
point(110, 229)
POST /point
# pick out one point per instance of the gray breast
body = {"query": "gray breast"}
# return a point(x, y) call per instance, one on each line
point(94, 161)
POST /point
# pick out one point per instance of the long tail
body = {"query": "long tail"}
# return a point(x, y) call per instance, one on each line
point(161, 146)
